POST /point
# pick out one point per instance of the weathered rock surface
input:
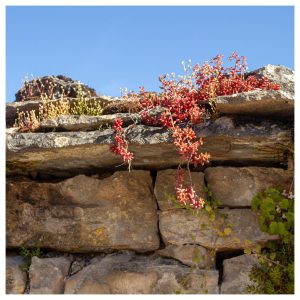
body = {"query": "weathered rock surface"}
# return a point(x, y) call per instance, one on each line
point(83, 214)
point(191, 255)
point(263, 103)
point(84, 123)
point(54, 87)
point(164, 189)
point(237, 186)
point(47, 275)
point(180, 227)
point(236, 274)
point(128, 274)
point(15, 275)
point(69, 153)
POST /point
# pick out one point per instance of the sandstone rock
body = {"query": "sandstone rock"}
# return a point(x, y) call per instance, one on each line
point(237, 186)
point(258, 103)
point(191, 255)
point(165, 187)
point(122, 106)
point(83, 214)
point(54, 87)
point(69, 153)
point(236, 274)
point(15, 275)
point(47, 275)
point(129, 274)
point(180, 227)
point(84, 123)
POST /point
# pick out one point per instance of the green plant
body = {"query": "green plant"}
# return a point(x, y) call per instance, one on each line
point(275, 272)
point(29, 253)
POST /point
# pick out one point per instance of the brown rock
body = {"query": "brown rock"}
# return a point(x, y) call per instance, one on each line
point(164, 189)
point(84, 214)
point(47, 275)
point(122, 106)
point(190, 255)
point(236, 274)
point(247, 182)
point(129, 274)
point(180, 227)
point(15, 275)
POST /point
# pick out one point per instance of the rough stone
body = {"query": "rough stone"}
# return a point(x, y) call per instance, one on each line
point(129, 274)
point(247, 182)
point(236, 274)
point(190, 255)
point(164, 189)
point(258, 103)
point(83, 214)
point(15, 275)
point(69, 153)
point(180, 227)
point(84, 123)
point(122, 106)
point(47, 275)
point(54, 87)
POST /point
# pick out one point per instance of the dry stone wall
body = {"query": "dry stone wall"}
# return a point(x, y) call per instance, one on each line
point(104, 230)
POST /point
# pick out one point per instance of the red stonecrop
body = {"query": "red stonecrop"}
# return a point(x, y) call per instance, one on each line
point(181, 106)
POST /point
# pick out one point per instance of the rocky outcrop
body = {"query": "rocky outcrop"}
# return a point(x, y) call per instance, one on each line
point(47, 275)
point(181, 227)
point(126, 274)
point(69, 153)
point(53, 87)
point(247, 182)
point(15, 274)
point(236, 274)
point(84, 214)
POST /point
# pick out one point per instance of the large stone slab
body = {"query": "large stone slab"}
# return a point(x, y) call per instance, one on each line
point(165, 182)
point(68, 153)
point(83, 214)
point(47, 275)
point(247, 182)
point(236, 273)
point(128, 274)
point(180, 227)
point(15, 274)
point(85, 123)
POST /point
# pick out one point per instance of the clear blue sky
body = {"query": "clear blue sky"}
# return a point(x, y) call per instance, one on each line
point(110, 48)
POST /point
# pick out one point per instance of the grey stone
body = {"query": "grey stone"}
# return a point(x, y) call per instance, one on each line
point(236, 274)
point(247, 182)
point(15, 274)
point(129, 274)
point(47, 275)
point(65, 154)
point(83, 214)
point(181, 226)
point(190, 255)
point(165, 182)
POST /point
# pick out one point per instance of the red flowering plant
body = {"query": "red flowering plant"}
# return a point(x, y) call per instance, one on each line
point(181, 106)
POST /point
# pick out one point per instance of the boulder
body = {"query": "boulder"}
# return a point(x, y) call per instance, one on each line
point(47, 275)
point(247, 182)
point(83, 214)
point(165, 182)
point(236, 272)
point(65, 154)
point(15, 274)
point(181, 227)
point(190, 255)
point(129, 274)
point(54, 87)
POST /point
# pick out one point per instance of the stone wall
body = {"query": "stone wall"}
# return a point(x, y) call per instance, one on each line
point(104, 230)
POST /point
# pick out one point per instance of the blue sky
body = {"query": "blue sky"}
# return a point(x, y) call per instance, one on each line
point(110, 48)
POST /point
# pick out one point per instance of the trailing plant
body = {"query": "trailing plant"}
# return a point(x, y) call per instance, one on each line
point(182, 105)
point(275, 272)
